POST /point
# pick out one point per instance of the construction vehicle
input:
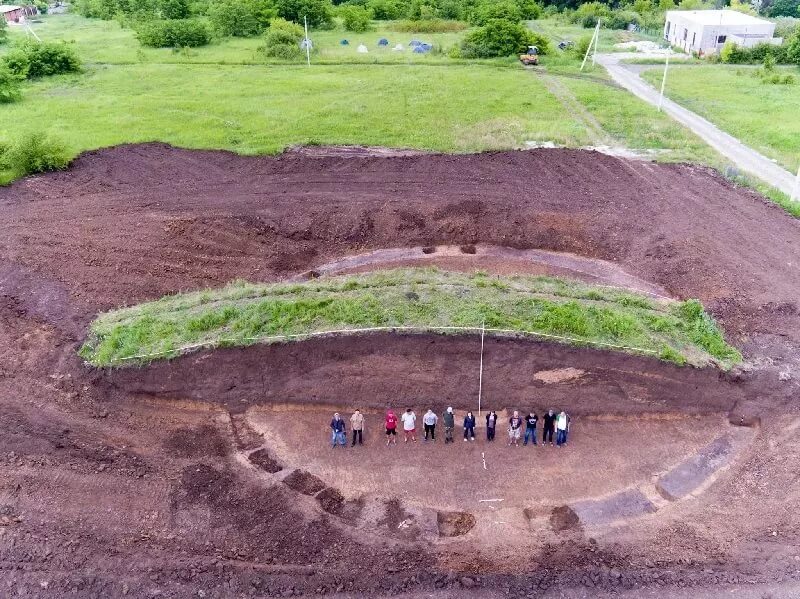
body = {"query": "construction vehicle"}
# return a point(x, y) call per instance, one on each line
point(531, 57)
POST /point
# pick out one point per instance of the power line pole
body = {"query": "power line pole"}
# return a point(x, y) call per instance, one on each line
point(307, 41)
point(796, 191)
point(664, 80)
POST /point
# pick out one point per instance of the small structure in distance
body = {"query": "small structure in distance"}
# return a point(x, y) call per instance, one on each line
point(706, 31)
point(16, 14)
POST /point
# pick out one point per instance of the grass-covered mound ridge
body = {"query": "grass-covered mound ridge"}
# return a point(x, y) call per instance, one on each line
point(423, 299)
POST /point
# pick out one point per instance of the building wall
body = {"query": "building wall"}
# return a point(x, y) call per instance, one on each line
point(709, 38)
point(13, 15)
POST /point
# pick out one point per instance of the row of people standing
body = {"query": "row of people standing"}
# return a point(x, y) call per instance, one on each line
point(553, 425)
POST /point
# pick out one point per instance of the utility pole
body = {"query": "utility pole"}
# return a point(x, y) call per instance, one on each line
point(592, 41)
point(664, 80)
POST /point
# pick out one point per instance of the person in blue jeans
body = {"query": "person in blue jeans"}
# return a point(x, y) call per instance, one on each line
point(561, 429)
point(469, 427)
point(338, 436)
point(530, 428)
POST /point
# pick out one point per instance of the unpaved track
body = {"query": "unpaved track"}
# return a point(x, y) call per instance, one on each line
point(743, 156)
point(111, 490)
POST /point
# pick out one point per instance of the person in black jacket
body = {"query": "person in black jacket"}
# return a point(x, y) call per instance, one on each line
point(491, 425)
point(469, 427)
point(338, 434)
point(530, 428)
point(549, 427)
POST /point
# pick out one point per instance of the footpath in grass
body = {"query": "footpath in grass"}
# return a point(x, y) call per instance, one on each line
point(762, 115)
point(422, 299)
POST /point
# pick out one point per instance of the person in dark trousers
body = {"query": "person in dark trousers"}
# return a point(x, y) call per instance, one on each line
point(449, 420)
point(338, 434)
point(429, 423)
point(530, 428)
point(469, 427)
point(549, 427)
point(491, 425)
point(357, 426)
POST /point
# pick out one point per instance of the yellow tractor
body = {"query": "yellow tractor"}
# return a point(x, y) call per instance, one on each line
point(531, 57)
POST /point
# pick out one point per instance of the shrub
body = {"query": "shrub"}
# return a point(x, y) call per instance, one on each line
point(3, 31)
point(588, 14)
point(173, 33)
point(785, 8)
point(35, 153)
point(786, 27)
point(318, 12)
point(355, 18)
point(98, 9)
point(386, 10)
point(497, 38)
point(240, 18)
point(39, 59)
point(282, 40)
point(529, 9)
point(10, 85)
point(430, 26)
point(486, 12)
point(41, 6)
point(174, 9)
point(793, 49)
point(620, 19)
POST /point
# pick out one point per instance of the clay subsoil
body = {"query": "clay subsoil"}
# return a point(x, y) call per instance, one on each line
point(125, 483)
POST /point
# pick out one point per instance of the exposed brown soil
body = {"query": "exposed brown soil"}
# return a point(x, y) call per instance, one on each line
point(125, 483)
point(564, 518)
point(304, 483)
point(263, 460)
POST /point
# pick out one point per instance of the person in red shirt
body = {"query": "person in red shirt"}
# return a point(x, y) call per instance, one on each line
point(391, 428)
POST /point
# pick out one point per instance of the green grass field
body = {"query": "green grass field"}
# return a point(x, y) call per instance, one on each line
point(425, 299)
point(764, 116)
point(223, 96)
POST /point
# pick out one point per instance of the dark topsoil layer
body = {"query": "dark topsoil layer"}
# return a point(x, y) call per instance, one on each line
point(136, 222)
point(112, 493)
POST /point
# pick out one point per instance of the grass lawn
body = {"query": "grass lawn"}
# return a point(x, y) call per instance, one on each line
point(764, 116)
point(425, 299)
point(225, 96)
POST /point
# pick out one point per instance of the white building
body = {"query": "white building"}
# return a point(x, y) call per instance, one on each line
point(706, 31)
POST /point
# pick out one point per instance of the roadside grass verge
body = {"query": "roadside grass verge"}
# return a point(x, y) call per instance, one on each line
point(423, 299)
point(761, 115)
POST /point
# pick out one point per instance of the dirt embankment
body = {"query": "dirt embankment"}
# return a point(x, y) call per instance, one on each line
point(136, 222)
point(381, 371)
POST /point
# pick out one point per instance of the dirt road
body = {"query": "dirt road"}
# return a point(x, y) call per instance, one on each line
point(743, 156)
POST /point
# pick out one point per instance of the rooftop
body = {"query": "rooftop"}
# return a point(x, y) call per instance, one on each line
point(717, 17)
point(8, 8)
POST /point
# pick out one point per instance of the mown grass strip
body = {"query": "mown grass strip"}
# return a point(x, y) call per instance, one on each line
point(423, 299)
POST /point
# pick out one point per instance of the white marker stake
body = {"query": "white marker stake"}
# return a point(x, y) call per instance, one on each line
point(308, 45)
point(796, 192)
point(664, 82)
point(480, 373)
point(589, 49)
point(483, 457)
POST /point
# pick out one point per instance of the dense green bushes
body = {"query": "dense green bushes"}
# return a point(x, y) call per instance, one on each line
point(34, 153)
point(282, 40)
point(10, 85)
point(430, 26)
point(498, 37)
point(173, 33)
point(240, 18)
point(789, 52)
point(318, 12)
point(355, 18)
point(33, 59)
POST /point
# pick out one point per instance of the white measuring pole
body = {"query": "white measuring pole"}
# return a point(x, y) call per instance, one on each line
point(664, 81)
point(308, 42)
point(480, 373)
point(796, 191)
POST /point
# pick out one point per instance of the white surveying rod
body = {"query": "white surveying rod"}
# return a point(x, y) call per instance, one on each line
point(480, 373)
point(796, 191)
point(664, 80)
point(308, 42)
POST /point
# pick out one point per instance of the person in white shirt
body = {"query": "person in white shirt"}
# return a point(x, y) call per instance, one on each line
point(429, 423)
point(409, 419)
point(562, 422)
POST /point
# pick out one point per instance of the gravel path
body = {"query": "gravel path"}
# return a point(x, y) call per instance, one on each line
point(734, 150)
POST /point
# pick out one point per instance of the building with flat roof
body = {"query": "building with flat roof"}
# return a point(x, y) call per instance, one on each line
point(706, 31)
